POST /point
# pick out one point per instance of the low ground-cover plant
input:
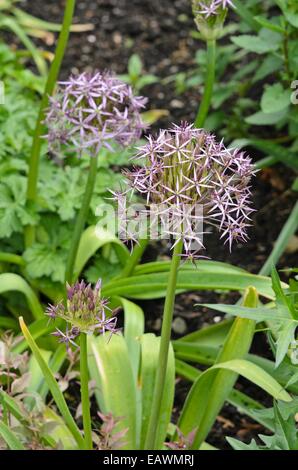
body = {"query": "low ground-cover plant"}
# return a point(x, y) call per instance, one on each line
point(54, 238)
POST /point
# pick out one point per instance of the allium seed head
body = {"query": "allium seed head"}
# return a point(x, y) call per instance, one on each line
point(184, 169)
point(86, 311)
point(90, 110)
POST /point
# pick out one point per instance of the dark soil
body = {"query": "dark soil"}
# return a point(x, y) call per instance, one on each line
point(159, 31)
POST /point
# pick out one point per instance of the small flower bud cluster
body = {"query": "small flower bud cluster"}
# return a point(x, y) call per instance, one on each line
point(85, 312)
point(210, 15)
point(211, 8)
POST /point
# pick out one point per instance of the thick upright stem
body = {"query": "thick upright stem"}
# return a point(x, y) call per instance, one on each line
point(208, 86)
point(85, 391)
point(81, 220)
point(164, 347)
point(39, 129)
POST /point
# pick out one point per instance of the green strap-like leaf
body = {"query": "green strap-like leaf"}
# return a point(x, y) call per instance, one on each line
point(240, 400)
point(10, 23)
point(10, 404)
point(203, 265)
point(133, 330)
point(192, 413)
point(53, 386)
point(152, 286)
point(14, 282)
point(115, 388)
point(37, 329)
point(91, 240)
point(149, 363)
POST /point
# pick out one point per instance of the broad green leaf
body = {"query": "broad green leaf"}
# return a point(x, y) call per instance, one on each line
point(257, 376)
point(152, 286)
point(53, 386)
point(149, 363)
point(240, 400)
point(202, 265)
point(115, 389)
point(134, 67)
point(60, 433)
point(266, 119)
point(36, 374)
point(10, 437)
point(236, 346)
point(133, 330)
point(14, 282)
point(275, 99)
point(92, 239)
point(255, 44)
point(195, 352)
point(192, 414)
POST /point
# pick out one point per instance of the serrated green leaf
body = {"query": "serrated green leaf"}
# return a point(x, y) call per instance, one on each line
point(254, 43)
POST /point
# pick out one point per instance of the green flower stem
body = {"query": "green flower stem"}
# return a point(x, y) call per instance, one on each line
point(81, 219)
point(164, 347)
point(39, 129)
point(85, 391)
point(287, 231)
point(11, 258)
point(135, 257)
point(209, 82)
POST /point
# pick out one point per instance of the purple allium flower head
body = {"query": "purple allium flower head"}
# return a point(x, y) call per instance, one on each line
point(91, 110)
point(210, 16)
point(211, 7)
point(85, 311)
point(185, 169)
